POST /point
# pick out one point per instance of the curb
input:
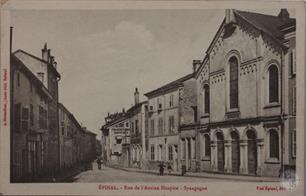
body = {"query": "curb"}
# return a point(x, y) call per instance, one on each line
point(197, 176)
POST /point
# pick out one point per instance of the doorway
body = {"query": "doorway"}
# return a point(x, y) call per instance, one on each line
point(220, 151)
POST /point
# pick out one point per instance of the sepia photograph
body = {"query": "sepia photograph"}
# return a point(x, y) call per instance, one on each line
point(134, 99)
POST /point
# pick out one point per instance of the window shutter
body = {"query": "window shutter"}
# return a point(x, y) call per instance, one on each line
point(293, 61)
point(25, 119)
point(31, 115)
point(293, 143)
point(17, 117)
point(294, 101)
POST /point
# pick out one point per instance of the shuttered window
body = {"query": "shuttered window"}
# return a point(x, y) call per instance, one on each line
point(171, 124)
point(152, 127)
point(31, 115)
point(170, 153)
point(152, 153)
point(273, 84)
point(293, 143)
point(294, 101)
point(17, 117)
point(293, 62)
point(160, 126)
point(233, 63)
point(25, 119)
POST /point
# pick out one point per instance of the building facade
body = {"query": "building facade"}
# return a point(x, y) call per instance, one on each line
point(138, 125)
point(246, 96)
point(115, 139)
point(65, 137)
point(29, 127)
point(165, 107)
point(45, 69)
point(89, 146)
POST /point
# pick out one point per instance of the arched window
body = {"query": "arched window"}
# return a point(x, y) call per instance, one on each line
point(206, 99)
point(233, 77)
point(273, 84)
point(207, 145)
point(274, 147)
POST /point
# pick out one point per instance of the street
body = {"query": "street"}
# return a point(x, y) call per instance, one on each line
point(107, 174)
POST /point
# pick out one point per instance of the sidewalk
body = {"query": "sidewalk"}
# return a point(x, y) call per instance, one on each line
point(205, 175)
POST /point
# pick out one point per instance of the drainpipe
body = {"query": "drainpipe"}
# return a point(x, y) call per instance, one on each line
point(282, 118)
point(11, 103)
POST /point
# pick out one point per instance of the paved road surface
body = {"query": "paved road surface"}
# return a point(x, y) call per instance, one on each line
point(107, 174)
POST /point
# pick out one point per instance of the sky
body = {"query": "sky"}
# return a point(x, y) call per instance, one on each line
point(103, 55)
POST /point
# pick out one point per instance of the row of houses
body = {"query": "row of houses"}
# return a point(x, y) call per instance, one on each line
point(45, 137)
point(235, 113)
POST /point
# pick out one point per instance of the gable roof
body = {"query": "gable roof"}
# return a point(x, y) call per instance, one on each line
point(131, 109)
point(51, 67)
point(266, 23)
point(17, 63)
point(171, 85)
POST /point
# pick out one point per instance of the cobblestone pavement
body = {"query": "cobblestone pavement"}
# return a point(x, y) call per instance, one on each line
point(107, 174)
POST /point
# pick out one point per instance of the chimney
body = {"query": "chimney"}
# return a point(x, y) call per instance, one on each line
point(229, 16)
point(283, 14)
point(44, 53)
point(123, 110)
point(136, 96)
point(48, 55)
point(107, 113)
point(196, 64)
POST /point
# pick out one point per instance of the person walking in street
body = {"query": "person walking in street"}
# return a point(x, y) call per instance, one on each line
point(183, 170)
point(161, 168)
point(99, 162)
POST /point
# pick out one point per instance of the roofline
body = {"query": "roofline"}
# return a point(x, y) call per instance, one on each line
point(41, 60)
point(38, 83)
point(89, 132)
point(136, 106)
point(114, 122)
point(216, 36)
point(169, 86)
point(262, 31)
point(64, 107)
point(197, 74)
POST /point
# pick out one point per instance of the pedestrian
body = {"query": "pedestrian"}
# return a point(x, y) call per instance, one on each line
point(99, 162)
point(161, 168)
point(183, 170)
point(169, 168)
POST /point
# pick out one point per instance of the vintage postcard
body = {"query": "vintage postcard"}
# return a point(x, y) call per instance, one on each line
point(152, 97)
